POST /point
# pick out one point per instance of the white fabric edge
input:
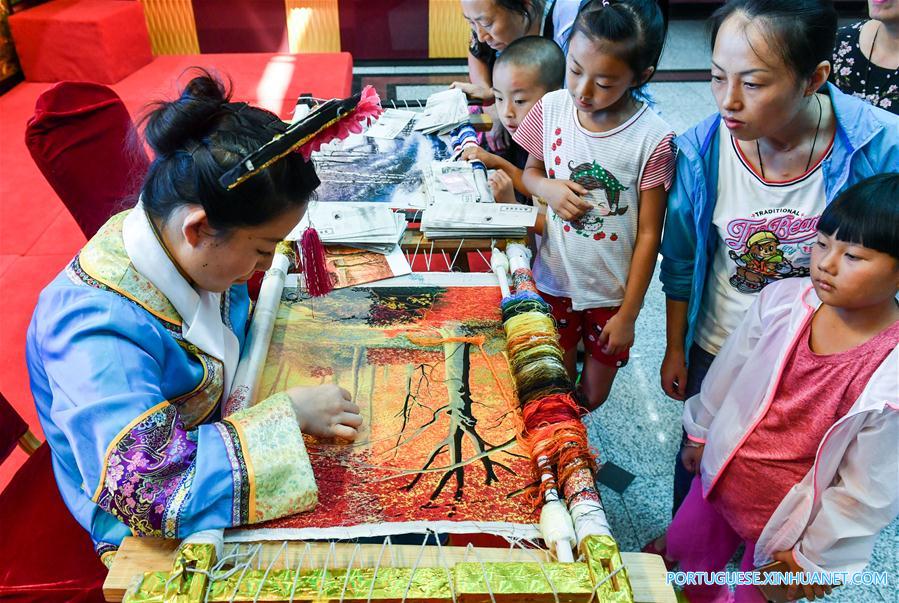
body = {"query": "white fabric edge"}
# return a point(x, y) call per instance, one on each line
point(513, 531)
point(423, 279)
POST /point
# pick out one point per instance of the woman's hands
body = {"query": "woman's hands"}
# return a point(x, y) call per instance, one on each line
point(811, 591)
point(326, 411)
point(474, 91)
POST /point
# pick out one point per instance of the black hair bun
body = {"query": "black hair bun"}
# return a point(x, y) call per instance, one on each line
point(175, 125)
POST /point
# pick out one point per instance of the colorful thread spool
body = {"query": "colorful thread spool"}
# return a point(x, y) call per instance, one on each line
point(552, 432)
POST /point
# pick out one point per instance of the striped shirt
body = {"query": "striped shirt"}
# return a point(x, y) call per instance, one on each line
point(588, 259)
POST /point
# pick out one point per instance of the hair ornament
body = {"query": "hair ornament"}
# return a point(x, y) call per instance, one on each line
point(333, 119)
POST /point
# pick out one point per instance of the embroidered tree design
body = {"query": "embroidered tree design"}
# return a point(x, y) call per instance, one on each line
point(455, 340)
point(462, 423)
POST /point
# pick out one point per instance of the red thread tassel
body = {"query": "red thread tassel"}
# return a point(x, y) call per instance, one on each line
point(318, 281)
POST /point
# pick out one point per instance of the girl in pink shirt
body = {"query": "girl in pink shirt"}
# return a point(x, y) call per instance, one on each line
point(793, 435)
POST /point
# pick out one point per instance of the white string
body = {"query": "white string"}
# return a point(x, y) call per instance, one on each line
point(603, 581)
point(446, 261)
point(483, 569)
point(235, 552)
point(346, 580)
point(377, 567)
point(415, 253)
point(461, 242)
point(543, 569)
point(484, 257)
point(414, 568)
point(428, 256)
point(449, 579)
point(267, 570)
point(321, 584)
point(296, 577)
point(244, 572)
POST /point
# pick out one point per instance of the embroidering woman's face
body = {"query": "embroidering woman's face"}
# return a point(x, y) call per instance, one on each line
point(495, 26)
point(216, 261)
point(757, 93)
point(886, 11)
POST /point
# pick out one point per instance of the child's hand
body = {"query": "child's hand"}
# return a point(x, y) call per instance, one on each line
point(674, 373)
point(326, 411)
point(501, 187)
point(476, 153)
point(691, 457)
point(617, 335)
point(811, 591)
point(563, 197)
point(473, 91)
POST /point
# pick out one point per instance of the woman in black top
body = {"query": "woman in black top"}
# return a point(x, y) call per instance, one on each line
point(866, 56)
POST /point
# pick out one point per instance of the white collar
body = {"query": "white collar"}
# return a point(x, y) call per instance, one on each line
point(200, 310)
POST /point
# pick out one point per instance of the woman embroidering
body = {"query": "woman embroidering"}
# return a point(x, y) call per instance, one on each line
point(133, 347)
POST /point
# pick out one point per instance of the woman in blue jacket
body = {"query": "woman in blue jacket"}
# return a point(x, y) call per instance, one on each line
point(753, 179)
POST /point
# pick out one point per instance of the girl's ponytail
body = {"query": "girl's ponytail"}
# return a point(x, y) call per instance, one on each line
point(636, 27)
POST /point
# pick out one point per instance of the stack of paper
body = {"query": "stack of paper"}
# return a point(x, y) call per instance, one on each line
point(457, 220)
point(451, 181)
point(444, 112)
point(363, 226)
point(391, 124)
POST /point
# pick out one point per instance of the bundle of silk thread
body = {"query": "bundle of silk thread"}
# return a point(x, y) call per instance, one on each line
point(552, 431)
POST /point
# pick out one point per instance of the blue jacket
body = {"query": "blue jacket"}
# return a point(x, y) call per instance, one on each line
point(866, 143)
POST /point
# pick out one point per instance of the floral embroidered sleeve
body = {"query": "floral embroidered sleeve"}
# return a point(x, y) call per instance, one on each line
point(135, 453)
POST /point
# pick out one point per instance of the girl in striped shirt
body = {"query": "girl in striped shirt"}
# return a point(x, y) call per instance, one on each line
point(603, 161)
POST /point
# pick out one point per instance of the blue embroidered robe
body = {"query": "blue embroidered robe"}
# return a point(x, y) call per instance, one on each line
point(131, 410)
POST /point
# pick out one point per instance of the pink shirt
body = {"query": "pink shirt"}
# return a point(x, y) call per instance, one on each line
point(815, 391)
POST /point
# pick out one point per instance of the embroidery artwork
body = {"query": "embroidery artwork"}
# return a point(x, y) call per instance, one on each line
point(425, 365)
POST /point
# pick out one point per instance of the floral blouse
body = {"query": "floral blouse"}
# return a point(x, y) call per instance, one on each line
point(854, 74)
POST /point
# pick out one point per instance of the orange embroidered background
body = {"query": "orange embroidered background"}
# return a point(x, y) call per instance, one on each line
point(439, 437)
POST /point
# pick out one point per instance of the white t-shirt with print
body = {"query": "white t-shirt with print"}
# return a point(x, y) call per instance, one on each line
point(588, 259)
point(765, 233)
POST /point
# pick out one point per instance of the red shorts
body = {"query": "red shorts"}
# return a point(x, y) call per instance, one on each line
point(586, 325)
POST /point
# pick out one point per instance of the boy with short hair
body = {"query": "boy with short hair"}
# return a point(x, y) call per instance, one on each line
point(525, 71)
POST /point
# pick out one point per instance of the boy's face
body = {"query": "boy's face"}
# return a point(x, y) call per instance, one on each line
point(850, 276)
point(517, 88)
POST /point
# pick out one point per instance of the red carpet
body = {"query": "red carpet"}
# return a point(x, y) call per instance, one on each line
point(37, 234)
